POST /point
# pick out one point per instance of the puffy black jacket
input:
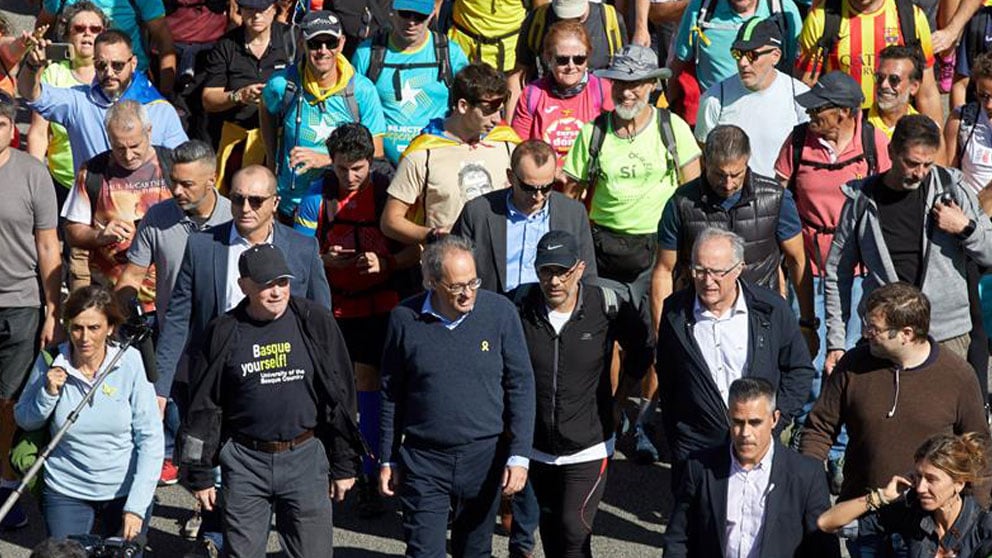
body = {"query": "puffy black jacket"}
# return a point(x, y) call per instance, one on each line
point(203, 432)
point(572, 369)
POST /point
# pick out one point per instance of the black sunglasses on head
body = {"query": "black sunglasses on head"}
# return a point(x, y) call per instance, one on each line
point(316, 42)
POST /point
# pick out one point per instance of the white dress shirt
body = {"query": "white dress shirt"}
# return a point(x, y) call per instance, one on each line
point(747, 493)
point(233, 295)
point(723, 342)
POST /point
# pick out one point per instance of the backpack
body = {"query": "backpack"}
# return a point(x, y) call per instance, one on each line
point(969, 117)
point(708, 7)
point(377, 61)
point(870, 153)
point(292, 93)
point(330, 189)
point(831, 29)
point(539, 25)
point(599, 127)
point(611, 300)
point(96, 168)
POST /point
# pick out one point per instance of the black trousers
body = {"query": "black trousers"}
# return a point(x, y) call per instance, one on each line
point(569, 496)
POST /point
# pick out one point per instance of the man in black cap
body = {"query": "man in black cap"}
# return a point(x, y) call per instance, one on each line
point(273, 376)
point(757, 88)
point(570, 328)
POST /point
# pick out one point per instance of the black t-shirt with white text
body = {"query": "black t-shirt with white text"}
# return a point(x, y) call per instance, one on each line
point(901, 216)
point(267, 385)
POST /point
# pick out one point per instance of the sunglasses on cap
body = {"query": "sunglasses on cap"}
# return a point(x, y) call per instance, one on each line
point(82, 28)
point(577, 59)
point(751, 55)
point(254, 201)
point(413, 16)
point(116, 65)
point(316, 42)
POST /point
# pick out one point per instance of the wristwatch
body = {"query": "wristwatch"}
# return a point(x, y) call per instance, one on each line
point(810, 324)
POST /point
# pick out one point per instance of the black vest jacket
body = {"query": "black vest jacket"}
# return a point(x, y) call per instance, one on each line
point(754, 217)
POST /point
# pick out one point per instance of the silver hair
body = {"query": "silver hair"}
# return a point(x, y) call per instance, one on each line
point(726, 143)
point(751, 388)
point(194, 151)
point(432, 260)
point(713, 233)
point(126, 114)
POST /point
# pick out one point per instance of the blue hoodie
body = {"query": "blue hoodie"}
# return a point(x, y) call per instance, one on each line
point(115, 448)
point(81, 110)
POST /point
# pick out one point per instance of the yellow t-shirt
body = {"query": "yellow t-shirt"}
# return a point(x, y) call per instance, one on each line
point(875, 120)
point(862, 36)
point(493, 19)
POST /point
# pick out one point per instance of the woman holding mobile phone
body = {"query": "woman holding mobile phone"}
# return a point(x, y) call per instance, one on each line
point(935, 512)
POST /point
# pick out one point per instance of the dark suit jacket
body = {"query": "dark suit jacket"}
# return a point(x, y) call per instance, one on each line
point(201, 286)
point(483, 220)
point(796, 497)
point(695, 414)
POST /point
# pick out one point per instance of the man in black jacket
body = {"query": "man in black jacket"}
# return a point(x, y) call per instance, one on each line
point(719, 330)
point(755, 498)
point(570, 329)
point(272, 401)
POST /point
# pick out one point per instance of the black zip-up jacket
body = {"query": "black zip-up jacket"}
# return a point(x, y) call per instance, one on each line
point(203, 432)
point(572, 369)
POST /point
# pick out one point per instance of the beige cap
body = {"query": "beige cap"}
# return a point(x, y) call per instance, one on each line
point(570, 9)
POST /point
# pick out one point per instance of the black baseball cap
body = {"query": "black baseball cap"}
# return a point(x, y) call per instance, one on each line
point(256, 4)
point(263, 264)
point(756, 33)
point(321, 22)
point(835, 88)
point(558, 248)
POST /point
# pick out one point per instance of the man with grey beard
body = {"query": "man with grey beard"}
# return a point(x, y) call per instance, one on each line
point(916, 223)
point(897, 80)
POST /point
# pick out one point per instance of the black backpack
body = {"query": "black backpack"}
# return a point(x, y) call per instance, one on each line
point(377, 61)
point(599, 127)
point(831, 29)
point(96, 168)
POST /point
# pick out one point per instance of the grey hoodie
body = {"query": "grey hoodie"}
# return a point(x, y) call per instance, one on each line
point(859, 239)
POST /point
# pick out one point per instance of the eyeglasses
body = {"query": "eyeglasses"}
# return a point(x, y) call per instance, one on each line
point(533, 189)
point(459, 288)
point(893, 79)
point(577, 59)
point(331, 43)
point(413, 16)
point(868, 330)
point(82, 28)
point(117, 65)
point(700, 272)
point(490, 107)
point(237, 200)
point(751, 55)
point(550, 272)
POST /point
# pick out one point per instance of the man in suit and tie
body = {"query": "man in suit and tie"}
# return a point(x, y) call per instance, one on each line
point(505, 225)
point(207, 285)
point(755, 498)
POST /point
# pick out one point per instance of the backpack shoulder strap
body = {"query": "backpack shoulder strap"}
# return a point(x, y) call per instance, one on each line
point(349, 100)
point(611, 303)
point(868, 146)
point(442, 52)
point(969, 119)
point(798, 141)
point(535, 35)
point(599, 126)
point(164, 155)
point(706, 10)
point(907, 23)
point(96, 168)
point(831, 32)
point(611, 24)
point(377, 55)
point(292, 89)
point(668, 136)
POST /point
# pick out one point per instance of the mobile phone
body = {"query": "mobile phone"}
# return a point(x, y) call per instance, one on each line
point(58, 52)
point(946, 198)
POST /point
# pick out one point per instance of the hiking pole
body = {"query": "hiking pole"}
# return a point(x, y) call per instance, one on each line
point(138, 334)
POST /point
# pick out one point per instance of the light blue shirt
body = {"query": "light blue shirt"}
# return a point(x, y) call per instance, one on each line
point(747, 495)
point(522, 233)
point(116, 446)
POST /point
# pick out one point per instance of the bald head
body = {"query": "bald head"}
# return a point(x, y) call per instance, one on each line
point(255, 174)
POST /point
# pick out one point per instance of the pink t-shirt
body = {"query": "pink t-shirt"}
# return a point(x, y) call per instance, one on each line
point(541, 115)
point(818, 194)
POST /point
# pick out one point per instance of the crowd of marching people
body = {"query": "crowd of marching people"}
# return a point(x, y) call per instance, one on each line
point(291, 252)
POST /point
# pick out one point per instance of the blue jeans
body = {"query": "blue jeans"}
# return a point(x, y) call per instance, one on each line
point(853, 335)
point(170, 425)
point(66, 515)
point(526, 520)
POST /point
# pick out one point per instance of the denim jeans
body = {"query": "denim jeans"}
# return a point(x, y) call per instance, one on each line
point(66, 515)
point(170, 425)
point(526, 520)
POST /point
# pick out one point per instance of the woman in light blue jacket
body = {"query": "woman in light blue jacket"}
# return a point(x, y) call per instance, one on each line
point(108, 463)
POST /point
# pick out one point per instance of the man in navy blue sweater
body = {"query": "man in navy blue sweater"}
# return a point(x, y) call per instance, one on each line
point(456, 377)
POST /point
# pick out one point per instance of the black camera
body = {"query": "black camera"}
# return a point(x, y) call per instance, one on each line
point(112, 547)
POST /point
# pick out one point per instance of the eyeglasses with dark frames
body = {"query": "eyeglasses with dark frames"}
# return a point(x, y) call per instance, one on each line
point(237, 200)
point(550, 272)
point(459, 288)
point(116, 65)
point(700, 272)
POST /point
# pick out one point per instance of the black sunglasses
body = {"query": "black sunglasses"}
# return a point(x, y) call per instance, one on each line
point(893, 79)
point(533, 189)
point(413, 16)
point(254, 201)
point(751, 55)
point(331, 43)
point(116, 65)
point(488, 108)
point(577, 59)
